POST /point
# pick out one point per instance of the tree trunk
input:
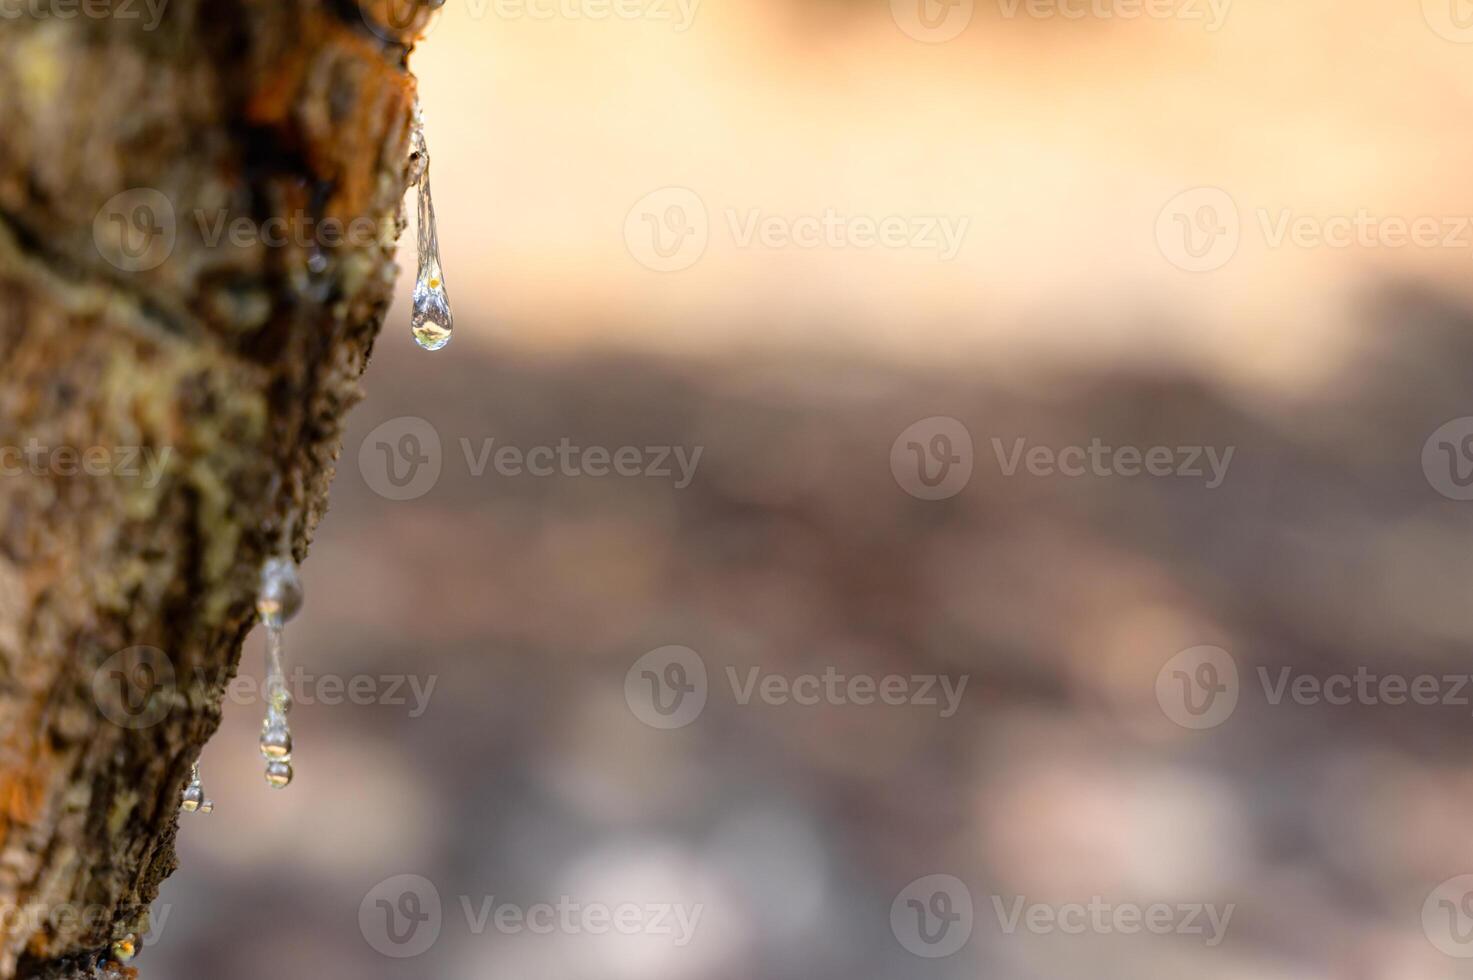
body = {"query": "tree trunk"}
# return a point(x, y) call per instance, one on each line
point(172, 393)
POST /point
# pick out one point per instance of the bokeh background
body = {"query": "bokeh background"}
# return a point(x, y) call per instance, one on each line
point(1079, 152)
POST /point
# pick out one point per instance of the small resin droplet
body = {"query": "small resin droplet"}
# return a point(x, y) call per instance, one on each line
point(281, 592)
point(194, 794)
point(432, 320)
point(278, 774)
point(280, 599)
point(276, 739)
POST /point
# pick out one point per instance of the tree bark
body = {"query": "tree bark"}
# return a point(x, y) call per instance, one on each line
point(170, 411)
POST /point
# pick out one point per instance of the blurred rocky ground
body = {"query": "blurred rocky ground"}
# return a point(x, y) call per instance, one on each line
point(523, 771)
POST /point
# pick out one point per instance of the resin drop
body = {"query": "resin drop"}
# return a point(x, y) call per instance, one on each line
point(281, 592)
point(432, 320)
point(276, 740)
point(278, 774)
point(280, 599)
point(194, 794)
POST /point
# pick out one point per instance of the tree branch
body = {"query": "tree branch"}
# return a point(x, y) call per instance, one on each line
point(163, 424)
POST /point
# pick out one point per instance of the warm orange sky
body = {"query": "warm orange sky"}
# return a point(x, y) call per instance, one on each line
point(1046, 146)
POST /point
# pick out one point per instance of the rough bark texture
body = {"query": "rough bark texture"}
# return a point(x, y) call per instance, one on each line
point(229, 365)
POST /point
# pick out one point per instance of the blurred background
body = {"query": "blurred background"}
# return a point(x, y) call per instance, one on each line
point(853, 262)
